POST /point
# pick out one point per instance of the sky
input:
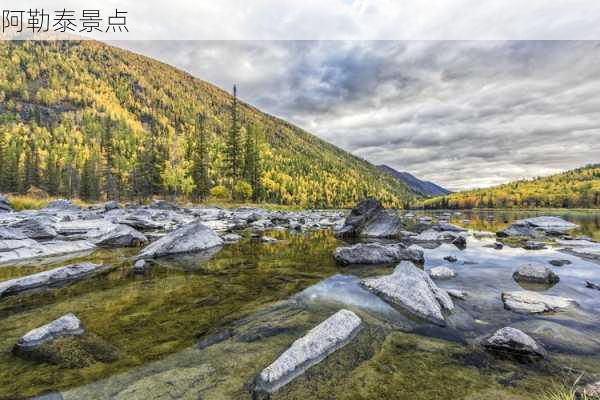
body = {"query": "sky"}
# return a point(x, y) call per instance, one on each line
point(462, 114)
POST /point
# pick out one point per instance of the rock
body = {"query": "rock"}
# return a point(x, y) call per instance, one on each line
point(190, 238)
point(324, 339)
point(592, 285)
point(35, 228)
point(4, 204)
point(62, 204)
point(447, 227)
point(412, 289)
point(528, 302)
point(589, 392)
point(163, 205)
point(231, 237)
point(140, 266)
point(8, 233)
point(111, 205)
point(140, 222)
point(121, 236)
point(559, 263)
point(537, 227)
point(535, 273)
point(268, 239)
point(457, 294)
point(451, 259)
point(442, 273)
point(14, 251)
point(557, 337)
point(369, 219)
point(531, 245)
point(582, 248)
point(375, 253)
point(514, 343)
point(53, 277)
point(460, 242)
point(67, 325)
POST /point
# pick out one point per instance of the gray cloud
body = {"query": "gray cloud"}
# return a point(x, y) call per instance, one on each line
point(462, 114)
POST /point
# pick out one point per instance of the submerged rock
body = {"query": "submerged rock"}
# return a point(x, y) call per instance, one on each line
point(67, 325)
point(370, 219)
point(528, 302)
point(535, 273)
point(442, 273)
point(187, 239)
point(51, 277)
point(376, 253)
point(559, 263)
point(537, 227)
point(411, 289)
point(592, 285)
point(451, 259)
point(514, 343)
point(327, 337)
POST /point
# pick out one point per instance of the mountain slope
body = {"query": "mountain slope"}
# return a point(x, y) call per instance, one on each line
point(79, 116)
point(424, 188)
point(578, 188)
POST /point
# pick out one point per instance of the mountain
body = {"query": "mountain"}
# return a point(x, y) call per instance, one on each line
point(577, 188)
point(87, 119)
point(425, 188)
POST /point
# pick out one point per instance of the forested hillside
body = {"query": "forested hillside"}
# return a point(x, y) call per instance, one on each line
point(83, 119)
point(578, 188)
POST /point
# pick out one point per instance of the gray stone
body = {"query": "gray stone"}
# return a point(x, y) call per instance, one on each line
point(140, 266)
point(231, 237)
point(513, 342)
point(376, 253)
point(67, 325)
point(528, 302)
point(457, 294)
point(451, 259)
point(537, 227)
point(49, 278)
point(8, 233)
point(324, 339)
point(412, 289)
point(121, 236)
point(62, 204)
point(111, 205)
point(559, 263)
point(140, 222)
point(4, 204)
point(442, 273)
point(268, 239)
point(35, 227)
point(190, 238)
point(592, 285)
point(535, 273)
point(14, 251)
point(532, 245)
point(369, 219)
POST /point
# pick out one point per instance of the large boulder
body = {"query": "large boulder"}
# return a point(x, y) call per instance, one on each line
point(53, 277)
point(38, 227)
point(537, 227)
point(190, 238)
point(528, 302)
point(535, 273)
point(411, 289)
point(324, 339)
point(514, 343)
point(376, 253)
point(370, 219)
point(4, 204)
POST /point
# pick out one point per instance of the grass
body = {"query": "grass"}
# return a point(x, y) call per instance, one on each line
point(21, 202)
point(565, 392)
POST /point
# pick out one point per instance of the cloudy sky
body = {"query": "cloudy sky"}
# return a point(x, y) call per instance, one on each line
point(461, 114)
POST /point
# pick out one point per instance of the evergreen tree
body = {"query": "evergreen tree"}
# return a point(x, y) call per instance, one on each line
point(252, 161)
point(200, 157)
point(233, 143)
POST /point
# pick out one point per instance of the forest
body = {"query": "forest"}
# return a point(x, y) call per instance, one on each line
point(577, 188)
point(91, 121)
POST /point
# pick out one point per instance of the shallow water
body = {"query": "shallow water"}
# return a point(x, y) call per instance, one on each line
point(267, 295)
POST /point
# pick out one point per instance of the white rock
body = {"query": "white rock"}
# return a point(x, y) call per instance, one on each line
point(528, 302)
point(67, 325)
point(457, 294)
point(413, 290)
point(23, 250)
point(376, 253)
point(327, 337)
point(442, 273)
point(514, 342)
point(535, 273)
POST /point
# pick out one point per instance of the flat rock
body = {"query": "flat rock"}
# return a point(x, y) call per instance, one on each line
point(411, 289)
point(121, 236)
point(513, 342)
point(442, 273)
point(51, 277)
point(67, 325)
point(8, 233)
point(190, 238)
point(35, 227)
point(268, 239)
point(528, 302)
point(537, 227)
point(324, 339)
point(376, 253)
point(535, 273)
point(14, 251)
point(559, 263)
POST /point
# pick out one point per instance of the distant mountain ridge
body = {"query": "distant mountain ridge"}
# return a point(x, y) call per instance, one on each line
point(424, 188)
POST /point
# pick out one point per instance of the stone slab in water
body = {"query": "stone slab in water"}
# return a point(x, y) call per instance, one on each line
point(538, 226)
point(15, 251)
point(67, 325)
point(327, 337)
point(528, 302)
point(376, 253)
point(49, 278)
point(190, 238)
point(413, 290)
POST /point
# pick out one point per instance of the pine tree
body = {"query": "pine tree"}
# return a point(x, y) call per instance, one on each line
point(233, 143)
point(200, 157)
point(252, 163)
